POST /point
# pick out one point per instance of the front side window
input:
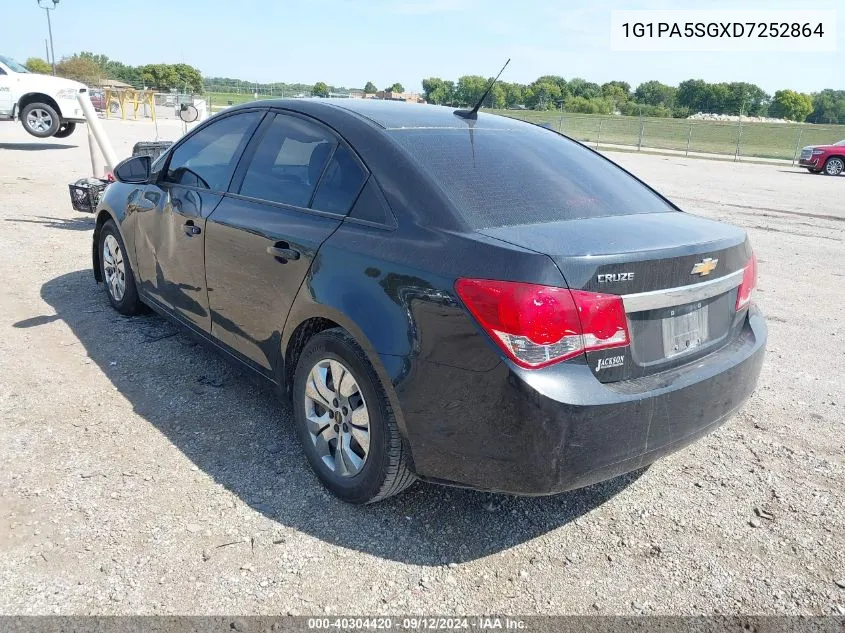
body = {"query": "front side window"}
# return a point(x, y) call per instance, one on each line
point(207, 159)
point(288, 162)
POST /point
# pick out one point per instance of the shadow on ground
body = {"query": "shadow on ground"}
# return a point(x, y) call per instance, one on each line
point(240, 433)
point(34, 147)
point(69, 224)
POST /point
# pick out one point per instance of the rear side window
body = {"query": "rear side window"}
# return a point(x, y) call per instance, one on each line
point(288, 162)
point(371, 206)
point(524, 175)
point(341, 183)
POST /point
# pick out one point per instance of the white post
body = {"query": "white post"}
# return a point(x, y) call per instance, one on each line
point(97, 167)
point(96, 128)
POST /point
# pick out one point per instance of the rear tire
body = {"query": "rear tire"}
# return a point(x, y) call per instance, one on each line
point(116, 271)
point(834, 166)
point(65, 130)
point(40, 120)
point(356, 466)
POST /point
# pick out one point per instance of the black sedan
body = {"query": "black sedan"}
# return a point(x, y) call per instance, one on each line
point(468, 300)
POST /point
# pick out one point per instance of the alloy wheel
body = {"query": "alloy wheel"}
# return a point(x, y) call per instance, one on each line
point(337, 417)
point(834, 166)
point(39, 120)
point(114, 268)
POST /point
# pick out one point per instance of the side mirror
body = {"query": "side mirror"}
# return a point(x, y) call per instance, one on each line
point(135, 170)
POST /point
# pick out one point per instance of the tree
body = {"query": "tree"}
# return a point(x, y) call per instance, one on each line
point(159, 77)
point(580, 88)
point(643, 109)
point(788, 104)
point(747, 98)
point(498, 97)
point(617, 92)
point(370, 88)
point(438, 91)
point(166, 77)
point(588, 106)
point(190, 79)
point(828, 107)
point(79, 69)
point(397, 87)
point(469, 89)
point(545, 95)
point(654, 93)
point(694, 94)
point(514, 94)
point(38, 65)
point(320, 89)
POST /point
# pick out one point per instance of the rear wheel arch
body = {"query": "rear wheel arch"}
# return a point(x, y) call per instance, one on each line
point(297, 341)
point(301, 329)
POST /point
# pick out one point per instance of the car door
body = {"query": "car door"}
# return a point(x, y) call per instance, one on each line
point(171, 215)
point(6, 100)
point(292, 189)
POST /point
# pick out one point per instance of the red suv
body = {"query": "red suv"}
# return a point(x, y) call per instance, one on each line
point(98, 100)
point(827, 158)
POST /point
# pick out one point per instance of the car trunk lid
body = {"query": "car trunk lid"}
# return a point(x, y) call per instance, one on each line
point(678, 275)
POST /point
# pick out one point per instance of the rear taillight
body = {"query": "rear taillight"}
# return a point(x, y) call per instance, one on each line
point(749, 283)
point(540, 325)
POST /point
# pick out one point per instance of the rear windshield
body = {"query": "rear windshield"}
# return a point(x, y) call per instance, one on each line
point(524, 175)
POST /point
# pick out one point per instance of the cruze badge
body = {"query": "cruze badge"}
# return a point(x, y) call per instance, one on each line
point(608, 277)
point(704, 267)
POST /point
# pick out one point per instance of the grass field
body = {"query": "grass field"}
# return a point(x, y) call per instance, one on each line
point(219, 100)
point(758, 140)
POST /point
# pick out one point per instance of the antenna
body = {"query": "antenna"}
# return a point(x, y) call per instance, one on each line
point(473, 114)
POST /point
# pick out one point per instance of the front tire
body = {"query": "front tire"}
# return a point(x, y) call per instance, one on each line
point(345, 423)
point(40, 120)
point(65, 130)
point(116, 271)
point(834, 166)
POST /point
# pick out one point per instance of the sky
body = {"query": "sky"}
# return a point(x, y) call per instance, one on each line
point(349, 42)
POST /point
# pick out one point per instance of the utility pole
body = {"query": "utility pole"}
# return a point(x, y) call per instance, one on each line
point(50, 5)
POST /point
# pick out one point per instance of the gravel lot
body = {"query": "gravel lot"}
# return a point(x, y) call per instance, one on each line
point(141, 473)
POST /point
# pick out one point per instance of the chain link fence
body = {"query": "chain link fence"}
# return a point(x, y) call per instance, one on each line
point(737, 139)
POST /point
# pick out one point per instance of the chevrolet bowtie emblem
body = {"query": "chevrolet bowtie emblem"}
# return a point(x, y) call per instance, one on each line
point(704, 267)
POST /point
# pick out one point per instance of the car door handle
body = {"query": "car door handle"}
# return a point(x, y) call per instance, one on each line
point(191, 229)
point(283, 252)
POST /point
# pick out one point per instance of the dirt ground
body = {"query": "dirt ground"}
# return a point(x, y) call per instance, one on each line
point(141, 473)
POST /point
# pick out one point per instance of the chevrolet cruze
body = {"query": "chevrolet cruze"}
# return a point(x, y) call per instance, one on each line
point(457, 297)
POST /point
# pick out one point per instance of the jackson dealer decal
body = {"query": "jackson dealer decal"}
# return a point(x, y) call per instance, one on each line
point(611, 361)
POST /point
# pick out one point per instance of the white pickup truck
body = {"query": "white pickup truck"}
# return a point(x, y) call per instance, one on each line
point(45, 105)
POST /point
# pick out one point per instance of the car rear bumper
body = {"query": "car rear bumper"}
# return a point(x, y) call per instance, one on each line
point(550, 430)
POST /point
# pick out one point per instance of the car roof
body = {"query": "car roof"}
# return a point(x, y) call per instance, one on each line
point(392, 115)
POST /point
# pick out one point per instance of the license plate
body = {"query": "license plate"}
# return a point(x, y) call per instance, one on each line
point(684, 332)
